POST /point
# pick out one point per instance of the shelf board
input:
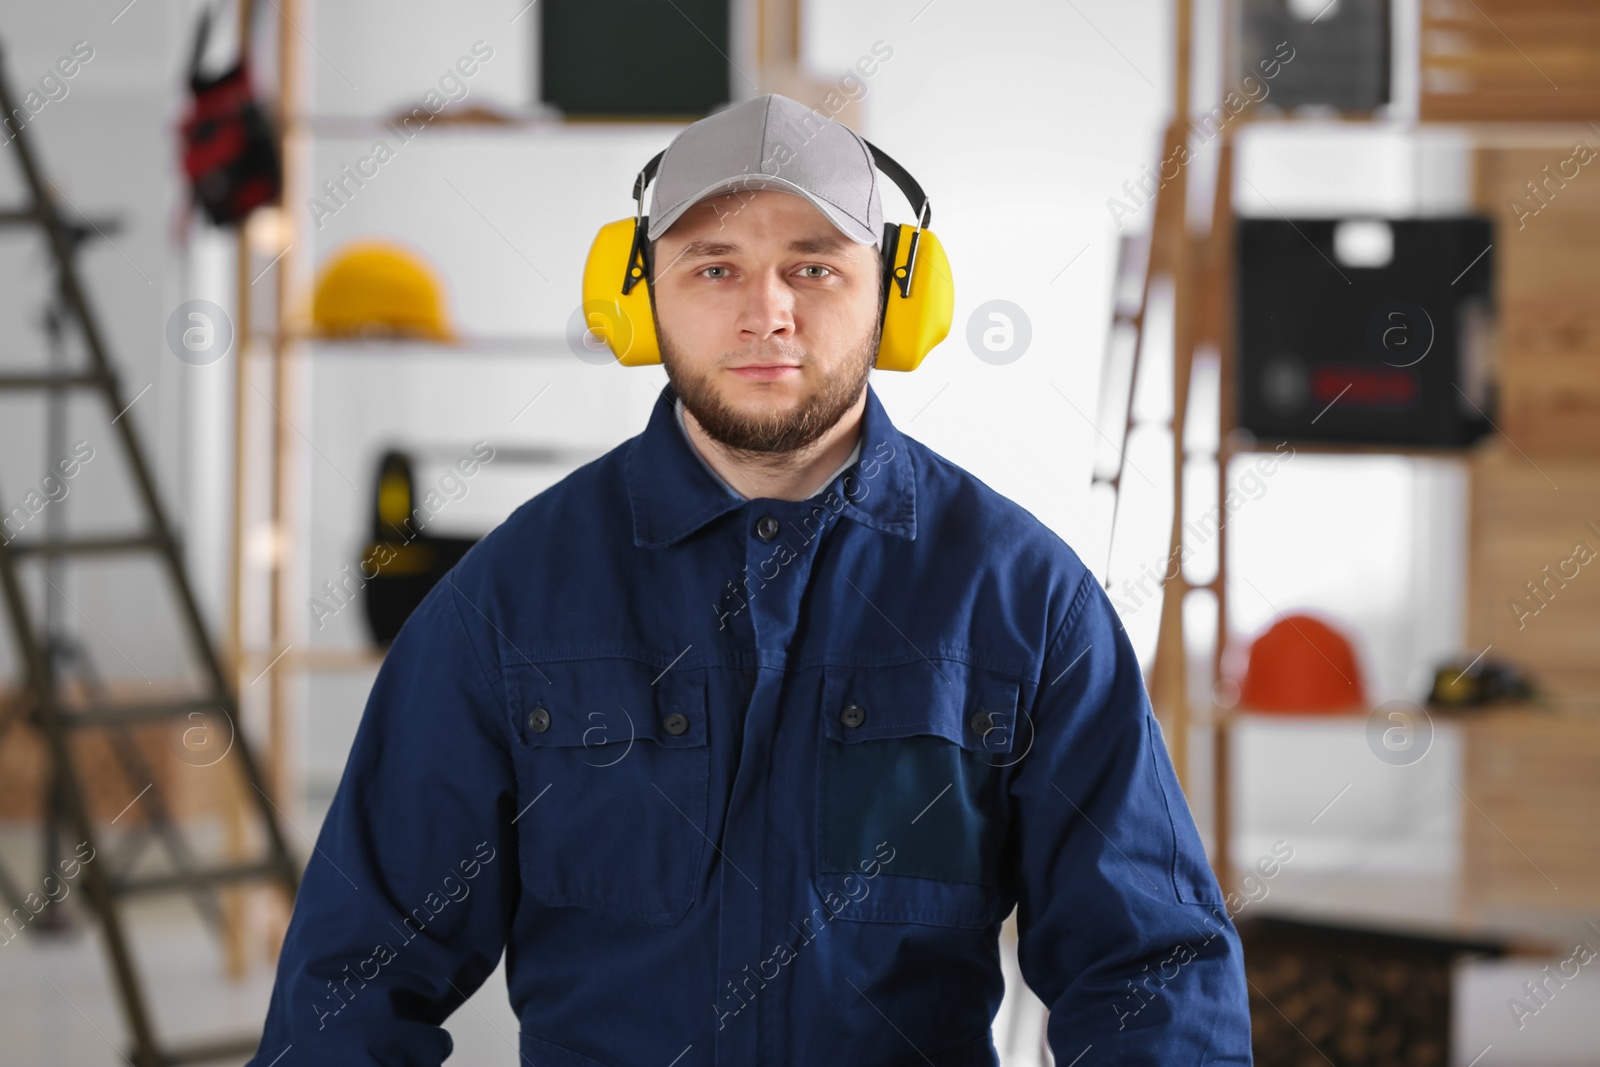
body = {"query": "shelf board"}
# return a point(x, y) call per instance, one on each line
point(508, 122)
point(1257, 116)
point(1335, 448)
point(1484, 132)
point(314, 660)
point(1548, 709)
point(543, 345)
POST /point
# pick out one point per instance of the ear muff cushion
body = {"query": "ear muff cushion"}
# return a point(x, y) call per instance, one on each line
point(913, 324)
point(624, 322)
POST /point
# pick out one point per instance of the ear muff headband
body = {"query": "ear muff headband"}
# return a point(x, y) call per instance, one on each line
point(916, 306)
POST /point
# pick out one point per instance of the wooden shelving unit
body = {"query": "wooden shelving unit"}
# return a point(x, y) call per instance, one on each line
point(1548, 427)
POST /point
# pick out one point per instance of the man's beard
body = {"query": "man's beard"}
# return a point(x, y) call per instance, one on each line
point(779, 432)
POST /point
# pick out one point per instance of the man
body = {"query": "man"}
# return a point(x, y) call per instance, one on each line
point(743, 740)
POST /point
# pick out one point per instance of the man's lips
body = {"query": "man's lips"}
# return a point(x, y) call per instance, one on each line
point(765, 372)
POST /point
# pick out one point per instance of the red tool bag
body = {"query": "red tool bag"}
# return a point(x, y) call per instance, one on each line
point(230, 152)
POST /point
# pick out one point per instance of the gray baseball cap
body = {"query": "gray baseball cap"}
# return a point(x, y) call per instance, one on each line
point(771, 142)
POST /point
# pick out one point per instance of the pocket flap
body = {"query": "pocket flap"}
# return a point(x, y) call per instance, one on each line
point(941, 698)
point(601, 703)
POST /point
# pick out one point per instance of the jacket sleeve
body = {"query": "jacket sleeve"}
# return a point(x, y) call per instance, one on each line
point(406, 900)
point(1123, 932)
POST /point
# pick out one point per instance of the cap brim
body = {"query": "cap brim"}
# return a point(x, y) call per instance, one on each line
point(841, 220)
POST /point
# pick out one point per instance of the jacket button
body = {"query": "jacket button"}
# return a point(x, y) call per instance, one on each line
point(853, 715)
point(675, 723)
point(766, 527)
point(538, 720)
point(982, 722)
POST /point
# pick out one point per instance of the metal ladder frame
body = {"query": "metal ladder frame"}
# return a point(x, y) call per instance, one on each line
point(58, 721)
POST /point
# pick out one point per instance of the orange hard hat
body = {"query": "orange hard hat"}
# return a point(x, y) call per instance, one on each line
point(1301, 664)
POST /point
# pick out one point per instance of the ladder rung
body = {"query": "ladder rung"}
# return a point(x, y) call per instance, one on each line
point(197, 879)
point(47, 381)
point(44, 220)
point(229, 1048)
point(1131, 318)
point(86, 545)
point(128, 714)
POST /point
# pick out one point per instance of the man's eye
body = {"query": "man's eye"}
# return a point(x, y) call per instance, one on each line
point(704, 269)
point(825, 271)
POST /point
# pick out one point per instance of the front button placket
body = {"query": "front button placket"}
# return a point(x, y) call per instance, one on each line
point(780, 544)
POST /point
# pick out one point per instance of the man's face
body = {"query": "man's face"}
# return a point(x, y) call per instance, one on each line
point(767, 317)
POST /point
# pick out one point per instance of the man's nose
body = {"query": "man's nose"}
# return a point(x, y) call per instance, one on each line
point(768, 309)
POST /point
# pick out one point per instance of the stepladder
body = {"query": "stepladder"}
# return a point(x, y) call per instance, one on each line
point(64, 695)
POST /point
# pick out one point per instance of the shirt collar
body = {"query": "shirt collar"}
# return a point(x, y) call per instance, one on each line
point(673, 493)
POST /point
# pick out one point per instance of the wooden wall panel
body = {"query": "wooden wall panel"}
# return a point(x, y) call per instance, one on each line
point(1510, 60)
point(1547, 244)
point(1529, 513)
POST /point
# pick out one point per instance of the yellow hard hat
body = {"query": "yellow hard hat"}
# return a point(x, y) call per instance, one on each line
point(379, 288)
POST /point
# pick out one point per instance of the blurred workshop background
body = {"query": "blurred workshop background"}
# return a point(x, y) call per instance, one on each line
point(1281, 313)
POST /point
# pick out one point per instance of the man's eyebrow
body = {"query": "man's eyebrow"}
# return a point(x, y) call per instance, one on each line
point(706, 249)
point(824, 243)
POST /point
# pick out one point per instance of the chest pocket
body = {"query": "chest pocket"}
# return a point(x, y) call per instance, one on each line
point(910, 792)
point(612, 771)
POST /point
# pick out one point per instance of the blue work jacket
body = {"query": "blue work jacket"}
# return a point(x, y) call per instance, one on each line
point(755, 782)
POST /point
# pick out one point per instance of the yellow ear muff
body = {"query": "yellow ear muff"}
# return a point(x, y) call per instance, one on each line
point(621, 319)
point(915, 317)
